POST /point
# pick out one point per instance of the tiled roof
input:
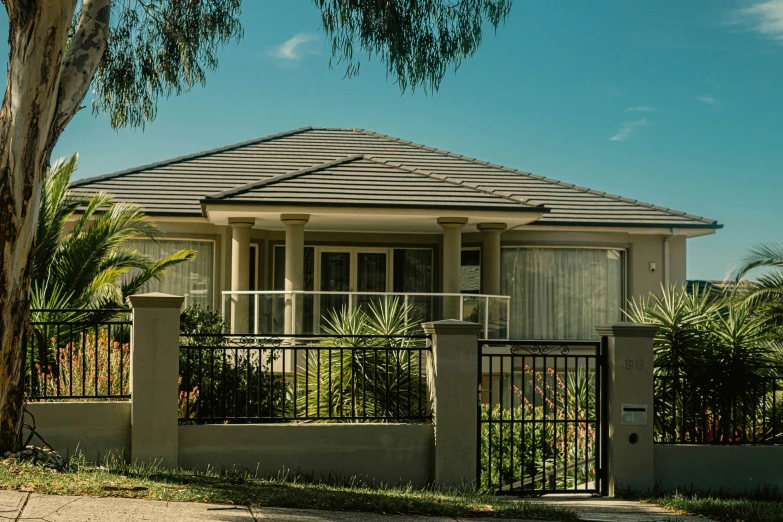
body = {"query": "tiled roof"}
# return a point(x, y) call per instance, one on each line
point(359, 167)
point(361, 181)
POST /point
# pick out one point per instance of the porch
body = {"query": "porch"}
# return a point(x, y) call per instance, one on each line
point(312, 281)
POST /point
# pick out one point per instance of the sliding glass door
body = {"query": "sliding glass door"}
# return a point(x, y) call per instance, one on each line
point(350, 270)
point(335, 276)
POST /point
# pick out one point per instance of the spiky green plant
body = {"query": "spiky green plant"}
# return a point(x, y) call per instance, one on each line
point(363, 378)
point(80, 259)
point(713, 355)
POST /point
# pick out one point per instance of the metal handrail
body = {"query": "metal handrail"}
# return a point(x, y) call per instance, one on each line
point(353, 294)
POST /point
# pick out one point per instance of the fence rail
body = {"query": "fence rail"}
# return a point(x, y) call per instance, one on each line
point(257, 378)
point(728, 406)
point(78, 354)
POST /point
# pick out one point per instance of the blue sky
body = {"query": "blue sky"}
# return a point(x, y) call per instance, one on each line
point(675, 103)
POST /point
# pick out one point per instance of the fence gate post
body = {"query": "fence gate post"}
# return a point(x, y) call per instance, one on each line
point(452, 372)
point(154, 373)
point(630, 413)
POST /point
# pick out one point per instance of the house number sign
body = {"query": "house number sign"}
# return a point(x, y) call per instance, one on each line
point(630, 364)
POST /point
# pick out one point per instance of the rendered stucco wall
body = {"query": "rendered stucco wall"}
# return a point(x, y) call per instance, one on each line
point(738, 468)
point(677, 254)
point(95, 428)
point(642, 249)
point(393, 453)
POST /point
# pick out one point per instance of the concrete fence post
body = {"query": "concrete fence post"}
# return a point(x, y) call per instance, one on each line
point(453, 380)
point(154, 373)
point(630, 411)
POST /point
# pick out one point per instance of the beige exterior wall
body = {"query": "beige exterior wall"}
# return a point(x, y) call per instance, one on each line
point(393, 453)
point(94, 428)
point(642, 248)
point(737, 468)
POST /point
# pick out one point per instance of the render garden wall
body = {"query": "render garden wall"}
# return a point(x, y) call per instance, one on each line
point(390, 453)
point(712, 468)
point(94, 428)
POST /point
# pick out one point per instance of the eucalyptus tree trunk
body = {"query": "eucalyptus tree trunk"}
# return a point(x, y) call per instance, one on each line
point(45, 88)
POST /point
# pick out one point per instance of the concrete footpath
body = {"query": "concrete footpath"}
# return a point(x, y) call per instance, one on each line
point(18, 506)
point(32, 507)
point(595, 509)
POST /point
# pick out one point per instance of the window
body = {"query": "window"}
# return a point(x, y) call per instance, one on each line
point(562, 293)
point(471, 271)
point(412, 270)
point(191, 279)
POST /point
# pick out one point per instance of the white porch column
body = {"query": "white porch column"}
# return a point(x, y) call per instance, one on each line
point(452, 263)
point(490, 257)
point(294, 269)
point(240, 272)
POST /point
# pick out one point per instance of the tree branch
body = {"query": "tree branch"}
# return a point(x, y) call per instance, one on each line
point(81, 61)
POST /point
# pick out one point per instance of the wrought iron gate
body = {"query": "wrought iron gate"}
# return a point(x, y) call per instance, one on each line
point(541, 416)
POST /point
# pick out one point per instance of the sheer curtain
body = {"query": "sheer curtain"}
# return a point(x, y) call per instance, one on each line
point(192, 279)
point(562, 293)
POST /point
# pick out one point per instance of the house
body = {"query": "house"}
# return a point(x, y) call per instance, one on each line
point(293, 225)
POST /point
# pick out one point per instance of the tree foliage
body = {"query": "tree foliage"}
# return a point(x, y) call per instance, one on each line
point(763, 291)
point(157, 48)
point(89, 266)
point(418, 41)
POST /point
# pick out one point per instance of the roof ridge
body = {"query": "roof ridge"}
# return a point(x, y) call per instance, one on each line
point(282, 177)
point(534, 176)
point(449, 180)
point(190, 156)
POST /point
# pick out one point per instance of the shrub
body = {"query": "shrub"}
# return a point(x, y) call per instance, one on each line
point(86, 365)
point(525, 453)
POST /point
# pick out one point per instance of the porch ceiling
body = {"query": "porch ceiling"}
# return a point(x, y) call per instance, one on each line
point(364, 219)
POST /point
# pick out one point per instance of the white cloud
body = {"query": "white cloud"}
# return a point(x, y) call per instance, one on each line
point(765, 18)
point(628, 128)
point(709, 100)
point(294, 48)
point(640, 109)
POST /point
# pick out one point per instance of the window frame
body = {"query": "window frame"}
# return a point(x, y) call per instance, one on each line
point(215, 283)
point(624, 254)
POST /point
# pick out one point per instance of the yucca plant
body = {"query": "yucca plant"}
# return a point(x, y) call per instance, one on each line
point(713, 353)
point(363, 378)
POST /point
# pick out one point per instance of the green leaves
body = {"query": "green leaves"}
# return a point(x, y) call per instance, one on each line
point(85, 267)
point(355, 376)
point(418, 41)
point(713, 353)
point(157, 48)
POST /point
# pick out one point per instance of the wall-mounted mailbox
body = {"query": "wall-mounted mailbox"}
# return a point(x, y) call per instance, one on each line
point(633, 415)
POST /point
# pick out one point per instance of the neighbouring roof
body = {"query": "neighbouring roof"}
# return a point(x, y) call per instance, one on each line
point(356, 167)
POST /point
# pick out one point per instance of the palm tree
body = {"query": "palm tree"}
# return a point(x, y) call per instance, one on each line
point(82, 262)
point(765, 291)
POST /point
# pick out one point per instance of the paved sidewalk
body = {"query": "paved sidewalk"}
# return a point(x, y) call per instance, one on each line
point(596, 509)
point(32, 507)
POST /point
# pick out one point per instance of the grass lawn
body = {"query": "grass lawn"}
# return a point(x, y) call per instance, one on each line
point(118, 479)
point(753, 508)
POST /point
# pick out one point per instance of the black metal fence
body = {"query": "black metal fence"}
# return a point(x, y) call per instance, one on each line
point(78, 354)
point(731, 404)
point(259, 379)
point(540, 428)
